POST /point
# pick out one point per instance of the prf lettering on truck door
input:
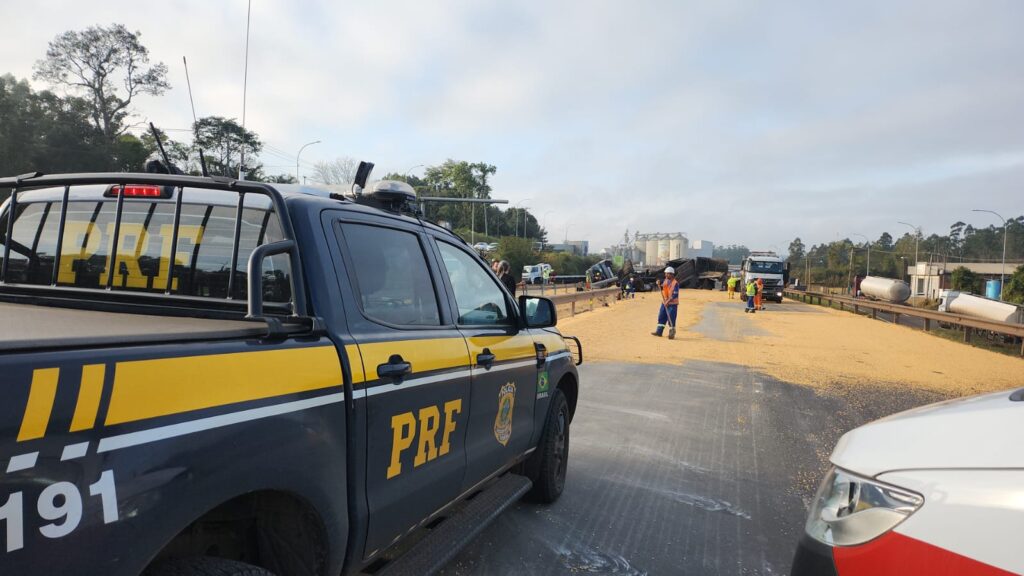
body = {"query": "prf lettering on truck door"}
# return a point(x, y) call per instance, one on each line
point(429, 428)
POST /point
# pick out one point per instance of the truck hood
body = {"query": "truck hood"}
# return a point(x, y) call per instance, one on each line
point(977, 432)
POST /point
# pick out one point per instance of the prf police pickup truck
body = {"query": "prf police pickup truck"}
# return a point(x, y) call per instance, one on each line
point(209, 376)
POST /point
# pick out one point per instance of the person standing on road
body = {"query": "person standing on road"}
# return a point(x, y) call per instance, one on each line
point(731, 284)
point(546, 273)
point(505, 275)
point(669, 303)
point(760, 294)
point(751, 293)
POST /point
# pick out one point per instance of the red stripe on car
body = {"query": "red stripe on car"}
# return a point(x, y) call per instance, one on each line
point(897, 555)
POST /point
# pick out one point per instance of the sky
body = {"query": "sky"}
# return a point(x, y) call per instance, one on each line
point(736, 122)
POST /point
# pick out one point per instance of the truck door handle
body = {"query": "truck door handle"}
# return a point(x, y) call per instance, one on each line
point(395, 368)
point(485, 358)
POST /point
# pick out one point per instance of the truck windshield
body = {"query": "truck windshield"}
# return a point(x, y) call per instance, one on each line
point(142, 258)
point(765, 267)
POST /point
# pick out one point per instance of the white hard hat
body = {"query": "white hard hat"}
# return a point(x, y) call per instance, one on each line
point(670, 270)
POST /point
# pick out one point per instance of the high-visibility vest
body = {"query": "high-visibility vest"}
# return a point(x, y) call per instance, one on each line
point(670, 292)
point(751, 289)
point(732, 281)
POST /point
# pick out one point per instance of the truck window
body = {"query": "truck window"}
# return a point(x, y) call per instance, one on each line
point(203, 256)
point(480, 300)
point(392, 276)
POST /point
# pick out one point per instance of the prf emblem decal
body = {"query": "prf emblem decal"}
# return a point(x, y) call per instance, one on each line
point(503, 421)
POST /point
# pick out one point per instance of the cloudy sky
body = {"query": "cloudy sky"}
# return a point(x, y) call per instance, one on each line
point(736, 122)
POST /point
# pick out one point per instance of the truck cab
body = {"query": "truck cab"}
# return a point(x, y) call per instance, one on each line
point(769, 267)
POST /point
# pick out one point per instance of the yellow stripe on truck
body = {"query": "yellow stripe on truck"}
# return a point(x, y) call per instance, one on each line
point(89, 392)
point(355, 362)
point(40, 404)
point(504, 347)
point(151, 388)
point(424, 355)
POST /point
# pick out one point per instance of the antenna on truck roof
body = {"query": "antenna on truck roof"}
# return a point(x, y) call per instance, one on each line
point(195, 121)
point(171, 168)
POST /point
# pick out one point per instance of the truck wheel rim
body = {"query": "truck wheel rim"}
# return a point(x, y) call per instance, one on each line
point(561, 449)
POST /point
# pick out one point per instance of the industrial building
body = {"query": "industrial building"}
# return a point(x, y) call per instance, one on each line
point(655, 249)
point(928, 278)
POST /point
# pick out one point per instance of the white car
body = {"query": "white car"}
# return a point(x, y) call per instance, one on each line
point(480, 246)
point(937, 490)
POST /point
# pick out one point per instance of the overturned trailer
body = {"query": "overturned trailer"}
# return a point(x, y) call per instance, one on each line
point(966, 304)
point(886, 289)
point(697, 272)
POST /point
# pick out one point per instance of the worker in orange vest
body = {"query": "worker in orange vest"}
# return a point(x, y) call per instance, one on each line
point(669, 303)
point(760, 291)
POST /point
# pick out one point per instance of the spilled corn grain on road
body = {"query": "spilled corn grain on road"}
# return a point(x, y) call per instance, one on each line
point(700, 455)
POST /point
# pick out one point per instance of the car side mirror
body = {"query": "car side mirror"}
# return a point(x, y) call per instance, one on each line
point(538, 312)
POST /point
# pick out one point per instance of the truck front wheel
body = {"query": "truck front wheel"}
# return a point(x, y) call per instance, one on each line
point(547, 466)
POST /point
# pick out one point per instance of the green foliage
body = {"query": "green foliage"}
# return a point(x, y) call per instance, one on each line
point(796, 250)
point(461, 179)
point(964, 280)
point(224, 141)
point(107, 65)
point(40, 131)
point(1014, 289)
point(734, 253)
point(518, 252)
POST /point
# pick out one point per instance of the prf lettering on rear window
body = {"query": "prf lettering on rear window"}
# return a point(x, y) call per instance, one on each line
point(82, 240)
point(422, 427)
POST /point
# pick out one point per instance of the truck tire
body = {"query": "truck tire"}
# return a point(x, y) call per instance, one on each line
point(547, 466)
point(205, 566)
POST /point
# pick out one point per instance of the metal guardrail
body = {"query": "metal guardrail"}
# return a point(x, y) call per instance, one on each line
point(587, 297)
point(968, 324)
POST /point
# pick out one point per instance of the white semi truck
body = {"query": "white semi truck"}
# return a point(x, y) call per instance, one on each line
point(769, 267)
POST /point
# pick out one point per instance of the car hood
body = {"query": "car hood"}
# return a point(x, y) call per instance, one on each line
point(984, 431)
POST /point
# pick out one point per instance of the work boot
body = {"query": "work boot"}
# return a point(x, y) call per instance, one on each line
point(672, 334)
point(658, 332)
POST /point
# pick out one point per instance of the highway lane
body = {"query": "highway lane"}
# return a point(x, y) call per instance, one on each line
point(704, 468)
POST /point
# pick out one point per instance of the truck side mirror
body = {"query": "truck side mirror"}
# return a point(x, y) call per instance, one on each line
point(538, 312)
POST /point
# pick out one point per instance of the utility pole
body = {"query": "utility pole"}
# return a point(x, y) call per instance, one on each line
point(867, 271)
point(1002, 272)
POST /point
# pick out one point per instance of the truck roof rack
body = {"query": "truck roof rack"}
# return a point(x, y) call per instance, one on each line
point(36, 180)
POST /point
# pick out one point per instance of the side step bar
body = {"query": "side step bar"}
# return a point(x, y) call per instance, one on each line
point(438, 548)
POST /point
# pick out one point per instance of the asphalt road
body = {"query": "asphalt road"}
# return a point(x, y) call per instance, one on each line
point(698, 469)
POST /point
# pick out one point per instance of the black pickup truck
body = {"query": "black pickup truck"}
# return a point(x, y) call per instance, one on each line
point(209, 376)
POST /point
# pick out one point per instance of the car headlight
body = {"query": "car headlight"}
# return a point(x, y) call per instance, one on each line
point(850, 510)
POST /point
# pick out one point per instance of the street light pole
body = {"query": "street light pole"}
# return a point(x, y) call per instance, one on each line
point(516, 217)
point(297, 179)
point(1002, 271)
point(917, 237)
point(867, 271)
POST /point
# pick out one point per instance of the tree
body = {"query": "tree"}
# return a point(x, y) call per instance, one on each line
point(341, 170)
point(884, 242)
point(796, 251)
point(108, 65)
point(965, 280)
point(223, 142)
point(734, 253)
point(518, 252)
point(40, 131)
point(1014, 289)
